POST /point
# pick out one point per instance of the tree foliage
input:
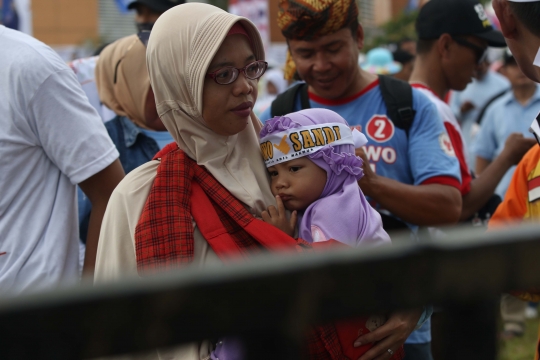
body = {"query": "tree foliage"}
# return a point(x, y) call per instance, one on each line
point(393, 31)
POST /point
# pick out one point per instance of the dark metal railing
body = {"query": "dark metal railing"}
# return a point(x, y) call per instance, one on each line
point(271, 300)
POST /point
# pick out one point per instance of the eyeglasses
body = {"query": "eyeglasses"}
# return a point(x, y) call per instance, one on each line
point(228, 75)
point(480, 52)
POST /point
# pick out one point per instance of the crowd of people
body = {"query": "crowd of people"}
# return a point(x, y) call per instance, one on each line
point(167, 157)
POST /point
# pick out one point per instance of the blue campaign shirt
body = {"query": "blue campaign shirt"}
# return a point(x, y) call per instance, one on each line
point(503, 117)
point(479, 92)
point(421, 157)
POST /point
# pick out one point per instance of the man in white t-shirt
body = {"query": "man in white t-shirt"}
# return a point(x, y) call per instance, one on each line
point(448, 54)
point(51, 139)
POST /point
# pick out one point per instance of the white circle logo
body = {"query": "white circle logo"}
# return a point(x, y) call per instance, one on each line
point(380, 128)
point(446, 144)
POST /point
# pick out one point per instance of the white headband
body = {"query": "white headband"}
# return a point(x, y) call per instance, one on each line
point(298, 142)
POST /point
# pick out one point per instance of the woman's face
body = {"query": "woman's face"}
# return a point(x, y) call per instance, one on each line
point(226, 108)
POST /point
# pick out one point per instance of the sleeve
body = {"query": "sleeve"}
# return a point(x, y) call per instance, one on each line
point(457, 143)
point(514, 206)
point(116, 257)
point(431, 154)
point(68, 129)
point(485, 144)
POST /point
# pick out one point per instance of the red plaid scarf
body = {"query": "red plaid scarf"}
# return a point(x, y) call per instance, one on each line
point(182, 190)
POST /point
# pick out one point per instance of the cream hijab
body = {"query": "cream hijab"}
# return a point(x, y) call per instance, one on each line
point(182, 45)
point(122, 78)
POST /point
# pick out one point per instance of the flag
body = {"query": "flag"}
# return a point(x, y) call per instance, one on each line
point(412, 5)
point(9, 17)
point(122, 5)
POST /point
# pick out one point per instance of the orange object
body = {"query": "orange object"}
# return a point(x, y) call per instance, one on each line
point(522, 203)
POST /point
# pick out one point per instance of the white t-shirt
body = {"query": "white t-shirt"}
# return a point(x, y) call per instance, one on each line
point(50, 140)
point(84, 69)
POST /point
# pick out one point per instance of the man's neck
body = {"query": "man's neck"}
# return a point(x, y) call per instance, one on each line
point(524, 93)
point(429, 73)
point(362, 80)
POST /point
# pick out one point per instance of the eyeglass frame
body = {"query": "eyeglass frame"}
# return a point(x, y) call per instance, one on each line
point(212, 75)
point(477, 49)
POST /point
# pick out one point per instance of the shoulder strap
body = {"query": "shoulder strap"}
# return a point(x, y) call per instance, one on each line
point(490, 101)
point(397, 96)
point(284, 103)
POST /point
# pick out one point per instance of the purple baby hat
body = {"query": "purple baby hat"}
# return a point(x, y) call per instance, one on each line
point(342, 212)
point(337, 158)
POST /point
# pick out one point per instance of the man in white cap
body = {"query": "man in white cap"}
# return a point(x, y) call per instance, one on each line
point(520, 27)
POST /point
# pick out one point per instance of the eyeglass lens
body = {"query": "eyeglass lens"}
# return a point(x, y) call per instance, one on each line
point(252, 71)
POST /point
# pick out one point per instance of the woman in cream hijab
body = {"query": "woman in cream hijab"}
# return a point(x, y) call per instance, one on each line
point(212, 124)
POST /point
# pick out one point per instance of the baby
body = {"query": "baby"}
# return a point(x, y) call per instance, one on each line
point(310, 155)
point(314, 173)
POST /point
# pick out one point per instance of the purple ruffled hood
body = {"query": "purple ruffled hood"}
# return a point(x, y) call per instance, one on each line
point(341, 212)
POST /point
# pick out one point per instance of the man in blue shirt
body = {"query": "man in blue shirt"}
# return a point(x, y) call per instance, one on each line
point(408, 175)
point(511, 113)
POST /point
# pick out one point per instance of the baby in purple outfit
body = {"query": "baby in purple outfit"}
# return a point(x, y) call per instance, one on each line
point(314, 174)
point(310, 155)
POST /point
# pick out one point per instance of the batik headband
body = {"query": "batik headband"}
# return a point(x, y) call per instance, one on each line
point(302, 141)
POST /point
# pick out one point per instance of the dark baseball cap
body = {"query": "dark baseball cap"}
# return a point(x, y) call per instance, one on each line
point(156, 5)
point(456, 17)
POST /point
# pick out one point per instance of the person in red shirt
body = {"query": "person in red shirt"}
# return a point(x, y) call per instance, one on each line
point(448, 55)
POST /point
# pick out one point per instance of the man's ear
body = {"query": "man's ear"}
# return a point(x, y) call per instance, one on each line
point(443, 46)
point(506, 18)
point(360, 37)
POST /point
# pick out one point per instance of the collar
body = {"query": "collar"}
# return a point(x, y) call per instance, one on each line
point(535, 128)
point(330, 102)
point(421, 85)
point(536, 61)
point(131, 131)
point(510, 97)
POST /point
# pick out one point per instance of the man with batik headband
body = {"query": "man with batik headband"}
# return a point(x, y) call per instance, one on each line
point(411, 171)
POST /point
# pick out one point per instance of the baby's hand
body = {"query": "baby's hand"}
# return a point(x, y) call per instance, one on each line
point(278, 217)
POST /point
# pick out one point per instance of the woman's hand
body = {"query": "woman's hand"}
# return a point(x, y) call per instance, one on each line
point(391, 336)
point(278, 217)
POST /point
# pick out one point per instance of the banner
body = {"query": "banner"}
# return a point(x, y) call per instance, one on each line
point(16, 14)
point(122, 5)
point(9, 17)
point(257, 12)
